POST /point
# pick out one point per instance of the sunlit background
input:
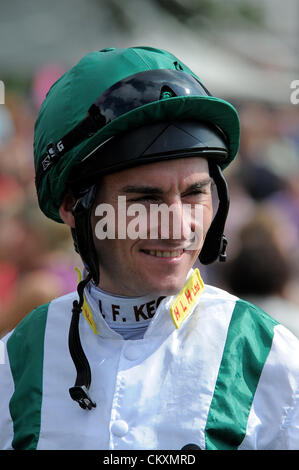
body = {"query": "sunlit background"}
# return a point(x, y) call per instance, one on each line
point(244, 51)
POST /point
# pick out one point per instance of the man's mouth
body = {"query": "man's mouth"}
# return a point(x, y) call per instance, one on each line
point(164, 254)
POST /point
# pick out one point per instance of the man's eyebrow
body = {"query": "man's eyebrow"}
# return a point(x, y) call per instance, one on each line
point(199, 184)
point(144, 189)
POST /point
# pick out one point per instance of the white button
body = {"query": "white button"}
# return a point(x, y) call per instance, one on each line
point(132, 352)
point(119, 427)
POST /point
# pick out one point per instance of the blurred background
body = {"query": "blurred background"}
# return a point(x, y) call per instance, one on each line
point(244, 51)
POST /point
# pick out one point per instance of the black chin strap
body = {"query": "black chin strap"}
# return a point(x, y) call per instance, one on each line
point(83, 242)
point(83, 233)
point(215, 243)
point(79, 392)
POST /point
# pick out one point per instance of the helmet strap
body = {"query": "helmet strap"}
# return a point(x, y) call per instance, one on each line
point(80, 391)
point(83, 242)
point(215, 243)
point(83, 234)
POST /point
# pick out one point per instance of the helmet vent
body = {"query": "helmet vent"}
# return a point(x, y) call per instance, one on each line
point(166, 92)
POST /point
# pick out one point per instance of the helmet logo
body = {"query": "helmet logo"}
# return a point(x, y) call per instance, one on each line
point(52, 154)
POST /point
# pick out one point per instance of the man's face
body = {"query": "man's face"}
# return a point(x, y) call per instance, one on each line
point(153, 263)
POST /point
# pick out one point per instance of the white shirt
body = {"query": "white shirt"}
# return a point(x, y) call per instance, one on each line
point(227, 377)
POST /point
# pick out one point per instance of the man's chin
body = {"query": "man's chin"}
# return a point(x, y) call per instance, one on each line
point(169, 288)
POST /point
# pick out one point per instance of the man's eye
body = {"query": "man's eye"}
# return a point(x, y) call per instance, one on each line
point(197, 192)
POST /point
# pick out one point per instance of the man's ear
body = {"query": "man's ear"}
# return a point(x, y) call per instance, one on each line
point(65, 210)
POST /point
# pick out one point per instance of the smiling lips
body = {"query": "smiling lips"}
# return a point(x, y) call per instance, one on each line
point(164, 254)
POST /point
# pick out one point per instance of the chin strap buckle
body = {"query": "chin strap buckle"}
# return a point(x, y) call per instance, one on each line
point(80, 394)
point(222, 253)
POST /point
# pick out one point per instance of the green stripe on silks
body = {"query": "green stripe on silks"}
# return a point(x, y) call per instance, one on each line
point(247, 346)
point(25, 351)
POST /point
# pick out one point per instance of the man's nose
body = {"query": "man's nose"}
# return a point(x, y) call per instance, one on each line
point(187, 224)
point(178, 222)
point(175, 221)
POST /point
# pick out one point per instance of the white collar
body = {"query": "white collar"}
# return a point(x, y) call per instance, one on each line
point(128, 316)
point(158, 323)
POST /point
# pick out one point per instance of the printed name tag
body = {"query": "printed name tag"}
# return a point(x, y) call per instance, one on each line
point(182, 305)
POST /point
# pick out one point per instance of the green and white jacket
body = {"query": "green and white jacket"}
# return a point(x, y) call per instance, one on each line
point(211, 369)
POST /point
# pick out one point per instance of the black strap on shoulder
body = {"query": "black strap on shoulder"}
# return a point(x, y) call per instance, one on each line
point(79, 392)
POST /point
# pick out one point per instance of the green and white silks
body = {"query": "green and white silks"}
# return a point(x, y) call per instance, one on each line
point(227, 378)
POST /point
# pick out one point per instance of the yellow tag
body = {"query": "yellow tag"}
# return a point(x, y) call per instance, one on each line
point(86, 308)
point(182, 305)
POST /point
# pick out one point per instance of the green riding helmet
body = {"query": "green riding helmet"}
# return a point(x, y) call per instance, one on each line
point(107, 93)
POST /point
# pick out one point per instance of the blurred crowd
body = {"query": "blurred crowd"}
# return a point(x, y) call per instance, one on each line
point(37, 259)
point(263, 222)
